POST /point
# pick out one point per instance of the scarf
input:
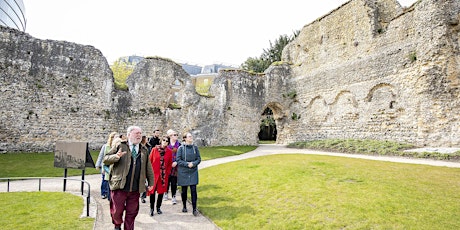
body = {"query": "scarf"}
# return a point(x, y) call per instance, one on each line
point(174, 151)
point(162, 165)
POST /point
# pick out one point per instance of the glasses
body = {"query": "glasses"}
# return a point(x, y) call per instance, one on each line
point(174, 134)
point(165, 140)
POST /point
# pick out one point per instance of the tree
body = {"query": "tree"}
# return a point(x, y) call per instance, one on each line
point(257, 65)
point(273, 54)
point(121, 70)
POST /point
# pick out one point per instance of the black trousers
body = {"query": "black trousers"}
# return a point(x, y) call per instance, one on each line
point(193, 192)
point(159, 200)
point(173, 182)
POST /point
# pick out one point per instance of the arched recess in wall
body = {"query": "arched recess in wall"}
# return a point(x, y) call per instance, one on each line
point(344, 107)
point(269, 118)
point(317, 110)
point(347, 98)
point(175, 91)
point(382, 94)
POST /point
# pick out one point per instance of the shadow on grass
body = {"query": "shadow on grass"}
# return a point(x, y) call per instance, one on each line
point(226, 212)
point(208, 187)
point(216, 206)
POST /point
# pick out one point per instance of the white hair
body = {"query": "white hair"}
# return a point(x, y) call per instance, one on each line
point(131, 128)
point(169, 132)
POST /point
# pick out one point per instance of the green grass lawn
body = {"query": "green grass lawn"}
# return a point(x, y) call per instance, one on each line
point(208, 153)
point(267, 142)
point(37, 165)
point(42, 210)
point(323, 192)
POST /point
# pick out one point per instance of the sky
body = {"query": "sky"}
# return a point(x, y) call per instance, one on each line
point(200, 32)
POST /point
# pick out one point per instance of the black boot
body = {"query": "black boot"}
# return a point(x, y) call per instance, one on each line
point(159, 211)
point(151, 212)
point(184, 209)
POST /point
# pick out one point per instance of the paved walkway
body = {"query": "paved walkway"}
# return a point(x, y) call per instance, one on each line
point(172, 217)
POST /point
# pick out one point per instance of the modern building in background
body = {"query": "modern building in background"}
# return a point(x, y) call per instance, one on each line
point(208, 73)
point(132, 60)
point(191, 69)
point(214, 68)
point(13, 14)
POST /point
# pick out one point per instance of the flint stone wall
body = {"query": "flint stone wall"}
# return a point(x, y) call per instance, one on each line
point(50, 90)
point(367, 70)
point(394, 80)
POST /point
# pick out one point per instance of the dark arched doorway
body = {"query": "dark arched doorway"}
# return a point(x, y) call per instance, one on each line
point(267, 126)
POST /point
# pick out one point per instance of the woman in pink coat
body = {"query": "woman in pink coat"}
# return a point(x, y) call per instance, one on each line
point(161, 159)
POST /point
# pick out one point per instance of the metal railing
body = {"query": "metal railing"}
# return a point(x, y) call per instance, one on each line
point(88, 194)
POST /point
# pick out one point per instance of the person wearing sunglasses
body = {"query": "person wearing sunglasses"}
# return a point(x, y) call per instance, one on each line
point(188, 158)
point(161, 159)
point(173, 145)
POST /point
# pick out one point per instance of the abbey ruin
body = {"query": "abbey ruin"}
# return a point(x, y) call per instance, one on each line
point(369, 69)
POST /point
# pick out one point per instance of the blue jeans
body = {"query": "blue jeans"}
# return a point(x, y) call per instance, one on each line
point(105, 190)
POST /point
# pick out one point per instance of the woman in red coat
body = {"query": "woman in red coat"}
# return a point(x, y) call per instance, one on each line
point(161, 159)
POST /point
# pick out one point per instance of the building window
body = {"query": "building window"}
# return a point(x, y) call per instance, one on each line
point(12, 14)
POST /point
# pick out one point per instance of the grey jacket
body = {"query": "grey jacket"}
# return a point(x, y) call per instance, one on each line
point(185, 175)
point(119, 167)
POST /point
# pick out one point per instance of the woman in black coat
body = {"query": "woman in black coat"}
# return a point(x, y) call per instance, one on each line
point(188, 158)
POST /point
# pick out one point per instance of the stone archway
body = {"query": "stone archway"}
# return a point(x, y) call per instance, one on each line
point(270, 118)
point(267, 126)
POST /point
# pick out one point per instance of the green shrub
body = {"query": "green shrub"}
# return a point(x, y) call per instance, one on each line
point(372, 147)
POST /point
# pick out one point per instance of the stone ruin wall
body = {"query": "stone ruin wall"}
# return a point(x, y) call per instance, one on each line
point(359, 79)
point(50, 90)
point(367, 70)
point(352, 72)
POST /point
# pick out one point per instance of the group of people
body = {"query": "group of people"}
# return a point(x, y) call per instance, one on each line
point(134, 166)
